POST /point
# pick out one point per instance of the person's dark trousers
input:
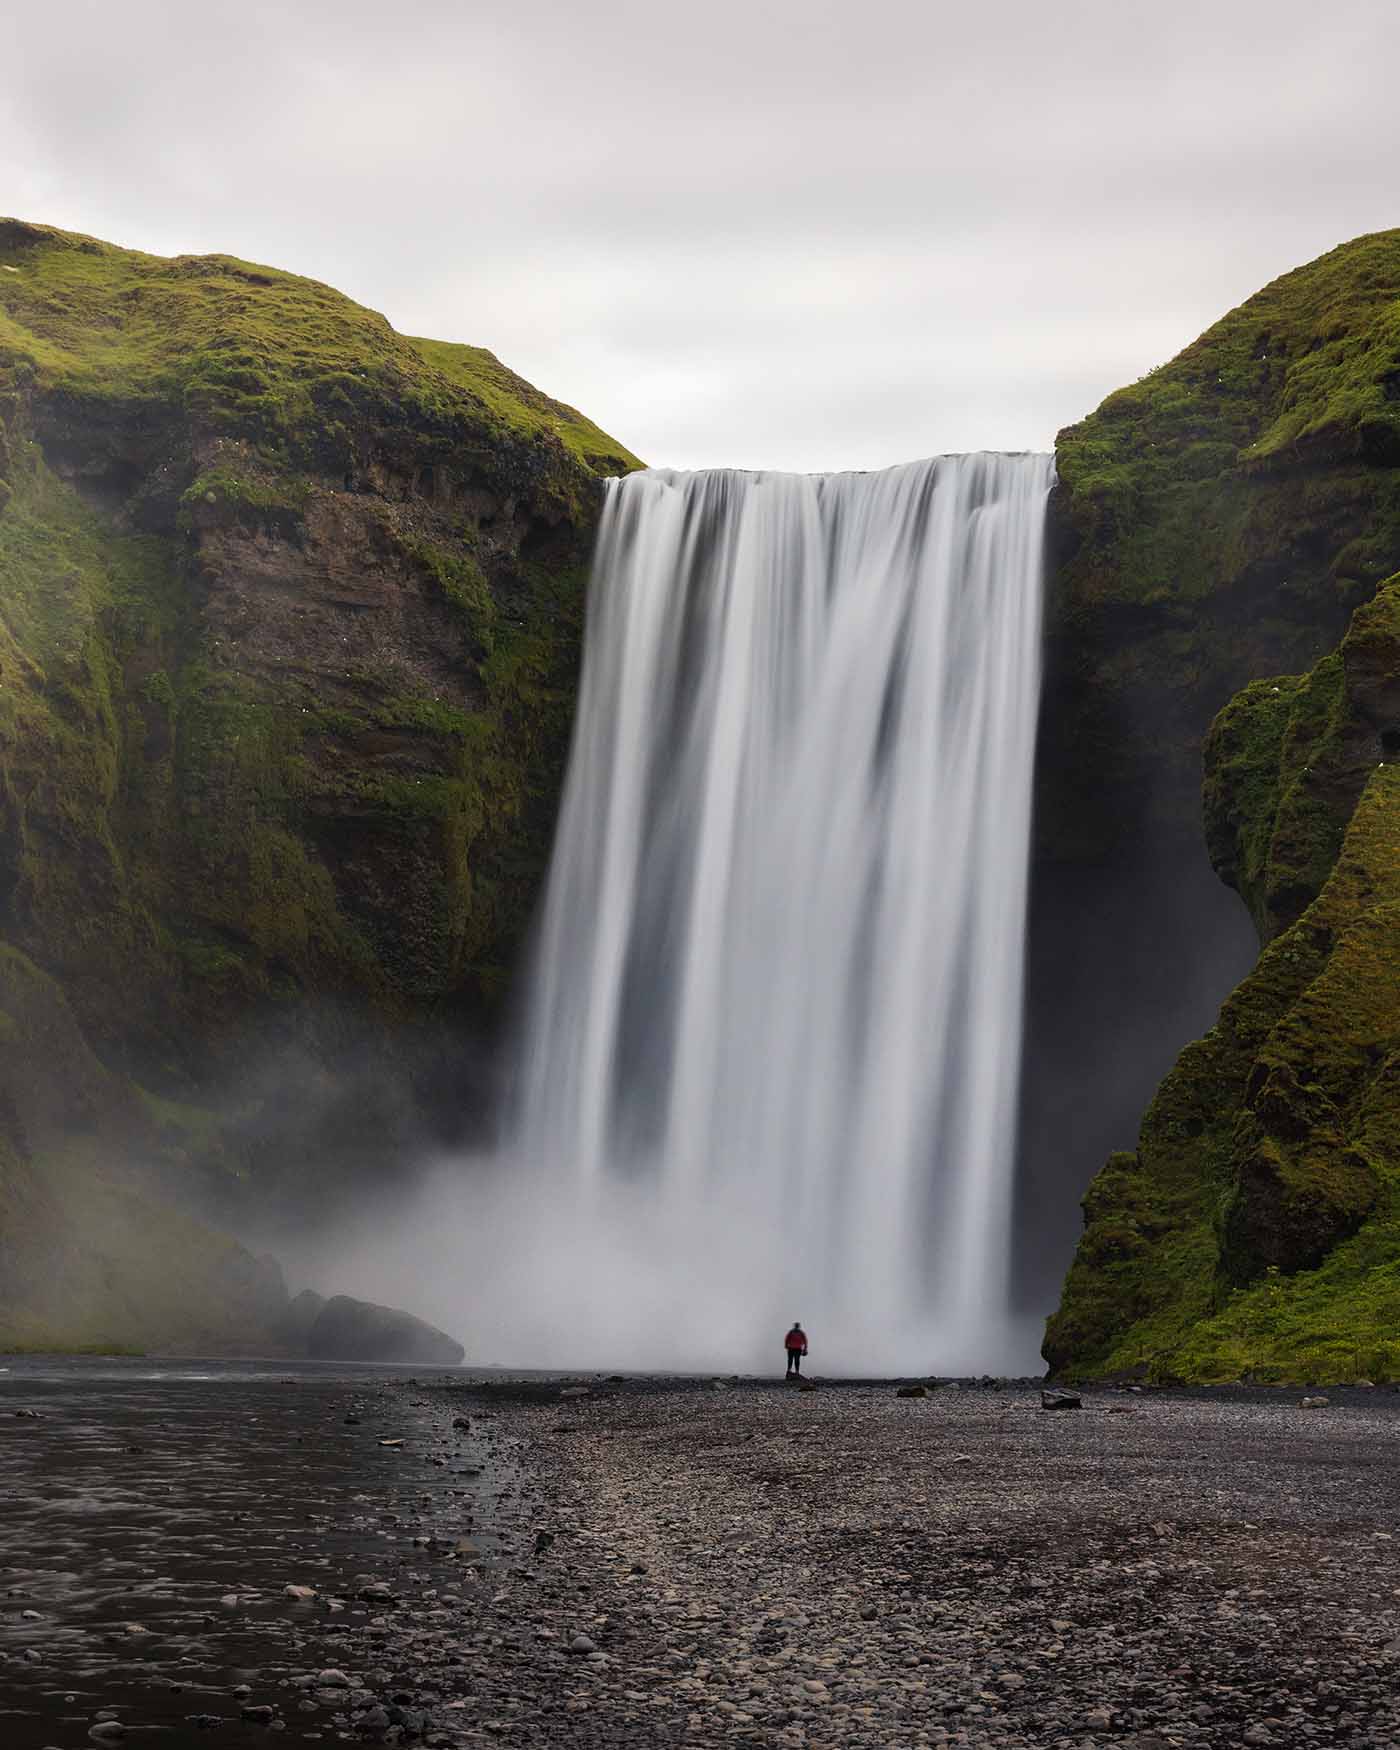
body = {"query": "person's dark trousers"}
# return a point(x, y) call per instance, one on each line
point(794, 1361)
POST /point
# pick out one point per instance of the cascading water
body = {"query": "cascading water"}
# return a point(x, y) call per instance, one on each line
point(772, 1046)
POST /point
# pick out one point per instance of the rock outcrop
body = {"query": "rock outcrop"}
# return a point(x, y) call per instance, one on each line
point(1254, 1229)
point(358, 1330)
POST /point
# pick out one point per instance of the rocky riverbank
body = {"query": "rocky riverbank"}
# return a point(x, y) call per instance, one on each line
point(647, 1563)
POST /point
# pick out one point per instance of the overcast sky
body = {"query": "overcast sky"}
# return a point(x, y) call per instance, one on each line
point(761, 234)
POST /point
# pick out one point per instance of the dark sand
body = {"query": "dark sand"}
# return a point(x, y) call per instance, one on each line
point(759, 1565)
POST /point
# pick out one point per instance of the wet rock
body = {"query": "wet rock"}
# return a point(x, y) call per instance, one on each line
point(581, 1645)
point(299, 1317)
point(107, 1732)
point(359, 1330)
point(912, 1391)
point(1061, 1400)
point(332, 1679)
point(1318, 1403)
point(303, 1594)
point(258, 1713)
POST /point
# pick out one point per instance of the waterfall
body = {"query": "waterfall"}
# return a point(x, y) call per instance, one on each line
point(771, 1052)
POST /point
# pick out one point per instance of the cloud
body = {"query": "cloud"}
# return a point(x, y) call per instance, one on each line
point(802, 236)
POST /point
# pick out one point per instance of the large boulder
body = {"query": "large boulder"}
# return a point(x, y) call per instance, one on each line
point(358, 1330)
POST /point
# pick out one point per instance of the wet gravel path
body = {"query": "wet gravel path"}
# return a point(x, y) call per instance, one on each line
point(844, 1567)
point(632, 1563)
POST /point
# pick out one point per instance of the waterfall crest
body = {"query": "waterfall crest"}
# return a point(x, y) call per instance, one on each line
point(773, 1033)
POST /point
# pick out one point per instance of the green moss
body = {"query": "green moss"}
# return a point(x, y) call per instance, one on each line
point(482, 373)
point(459, 580)
point(223, 494)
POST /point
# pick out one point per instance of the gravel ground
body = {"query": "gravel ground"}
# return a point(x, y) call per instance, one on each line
point(844, 1567)
point(582, 1565)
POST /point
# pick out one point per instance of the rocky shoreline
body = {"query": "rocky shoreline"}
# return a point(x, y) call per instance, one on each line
point(652, 1563)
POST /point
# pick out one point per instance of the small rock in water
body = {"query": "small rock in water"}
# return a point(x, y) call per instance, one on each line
point(1061, 1400)
point(300, 1592)
point(1313, 1403)
point(332, 1680)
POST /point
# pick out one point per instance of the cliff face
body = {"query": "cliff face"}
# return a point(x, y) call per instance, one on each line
point(1242, 504)
point(1216, 522)
point(289, 619)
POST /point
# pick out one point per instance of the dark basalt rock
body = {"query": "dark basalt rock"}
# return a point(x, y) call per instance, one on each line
point(358, 1330)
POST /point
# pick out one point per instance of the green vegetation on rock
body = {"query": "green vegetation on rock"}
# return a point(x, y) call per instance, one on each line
point(1217, 521)
point(290, 612)
point(1256, 1229)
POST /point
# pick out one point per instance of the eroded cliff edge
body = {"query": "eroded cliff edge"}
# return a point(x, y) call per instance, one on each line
point(289, 619)
point(1223, 523)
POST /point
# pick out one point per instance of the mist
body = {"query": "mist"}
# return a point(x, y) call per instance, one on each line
point(530, 1269)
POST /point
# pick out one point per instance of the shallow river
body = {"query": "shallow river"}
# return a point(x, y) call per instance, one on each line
point(152, 1516)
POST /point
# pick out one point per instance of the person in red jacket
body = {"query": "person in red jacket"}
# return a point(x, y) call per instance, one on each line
point(796, 1345)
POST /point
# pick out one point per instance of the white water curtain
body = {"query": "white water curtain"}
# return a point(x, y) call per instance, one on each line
point(770, 1061)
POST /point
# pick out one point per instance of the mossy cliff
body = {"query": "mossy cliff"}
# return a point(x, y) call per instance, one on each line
point(289, 618)
point(1217, 522)
point(1256, 1228)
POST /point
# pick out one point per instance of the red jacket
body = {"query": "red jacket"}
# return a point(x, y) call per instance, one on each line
point(796, 1341)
